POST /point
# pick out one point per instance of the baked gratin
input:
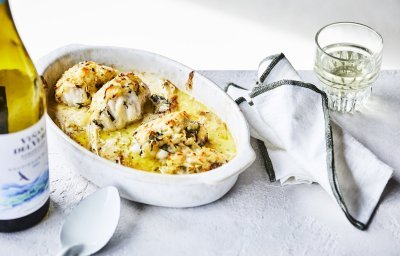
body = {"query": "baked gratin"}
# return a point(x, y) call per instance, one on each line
point(139, 120)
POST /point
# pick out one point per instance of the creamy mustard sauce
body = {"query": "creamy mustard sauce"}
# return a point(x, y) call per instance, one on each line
point(115, 145)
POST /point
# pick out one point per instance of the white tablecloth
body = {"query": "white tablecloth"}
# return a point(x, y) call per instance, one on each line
point(256, 217)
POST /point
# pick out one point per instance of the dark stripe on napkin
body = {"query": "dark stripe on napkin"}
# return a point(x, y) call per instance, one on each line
point(276, 59)
point(267, 160)
point(234, 85)
point(240, 100)
point(261, 146)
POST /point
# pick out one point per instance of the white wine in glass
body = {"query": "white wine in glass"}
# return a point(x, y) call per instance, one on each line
point(347, 62)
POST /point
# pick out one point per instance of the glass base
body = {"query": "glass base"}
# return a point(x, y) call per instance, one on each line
point(346, 100)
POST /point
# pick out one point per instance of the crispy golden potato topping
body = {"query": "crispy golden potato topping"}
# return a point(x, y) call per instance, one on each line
point(168, 134)
point(139, 120)
point(192, 160)
point(179, 142)
point(77, 85)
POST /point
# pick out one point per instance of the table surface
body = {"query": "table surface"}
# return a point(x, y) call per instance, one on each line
point(256, 217)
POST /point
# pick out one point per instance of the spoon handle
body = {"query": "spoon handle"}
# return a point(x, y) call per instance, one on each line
point(73, 250)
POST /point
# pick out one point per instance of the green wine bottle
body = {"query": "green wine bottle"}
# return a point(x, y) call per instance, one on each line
point(24, 171)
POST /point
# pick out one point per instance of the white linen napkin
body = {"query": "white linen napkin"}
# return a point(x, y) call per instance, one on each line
point(303, 144)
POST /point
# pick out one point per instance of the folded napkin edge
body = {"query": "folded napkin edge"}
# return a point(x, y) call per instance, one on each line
point(265, 84)
point(329, 145)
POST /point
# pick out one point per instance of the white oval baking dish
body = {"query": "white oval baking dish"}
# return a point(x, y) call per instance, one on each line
point(140, 186)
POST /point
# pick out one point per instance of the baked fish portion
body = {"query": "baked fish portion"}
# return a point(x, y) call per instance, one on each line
point(167, 134)
point(178, 142)
point(163, 93)
point(119, 102)
point(78, 84)
point(140, 120)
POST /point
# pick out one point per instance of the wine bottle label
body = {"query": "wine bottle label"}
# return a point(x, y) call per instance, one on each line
point(24, 171)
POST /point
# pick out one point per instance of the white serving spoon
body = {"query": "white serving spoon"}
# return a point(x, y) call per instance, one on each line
point(91, 224)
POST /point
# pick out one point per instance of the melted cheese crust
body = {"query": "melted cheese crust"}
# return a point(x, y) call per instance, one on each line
point(127, 145)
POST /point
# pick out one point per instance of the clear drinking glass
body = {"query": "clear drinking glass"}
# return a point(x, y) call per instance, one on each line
point(348, 60)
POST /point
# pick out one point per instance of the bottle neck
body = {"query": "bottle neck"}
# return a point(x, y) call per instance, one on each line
point(6, 21)
point(5, 14)
point(12, 51)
